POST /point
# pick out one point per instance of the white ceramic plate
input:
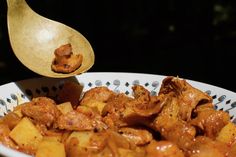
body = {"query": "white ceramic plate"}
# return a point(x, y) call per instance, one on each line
point(14, 93)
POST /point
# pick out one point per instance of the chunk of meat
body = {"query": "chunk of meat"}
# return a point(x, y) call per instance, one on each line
point(113, 109)
point(81, 119)
point(188, 96)
point(209, 120)
point(142, 112)
point(172, 128)
point(163, 149)
point(98, 93)
point(65, 61)
point(204, 147)
point(121, 110)
point(74, 120)
point(137, 136)
point(42, 109)
point(144, 104)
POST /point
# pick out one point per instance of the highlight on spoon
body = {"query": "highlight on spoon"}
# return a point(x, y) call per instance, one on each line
point(34, 39)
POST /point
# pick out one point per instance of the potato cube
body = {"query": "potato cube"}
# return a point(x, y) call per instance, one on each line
point(82, 136)
point(96, 104)
point(52, 138)
point(227, 133)
point(50, 148)
point(26, 135)
point(65, 107)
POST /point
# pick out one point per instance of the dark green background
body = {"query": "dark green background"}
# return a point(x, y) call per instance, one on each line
point(194, 39)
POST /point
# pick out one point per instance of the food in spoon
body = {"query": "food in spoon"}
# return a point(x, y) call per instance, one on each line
point(65, 61)
point(178, 122)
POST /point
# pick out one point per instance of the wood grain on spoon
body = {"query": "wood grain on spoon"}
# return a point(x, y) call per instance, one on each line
point(34, 39)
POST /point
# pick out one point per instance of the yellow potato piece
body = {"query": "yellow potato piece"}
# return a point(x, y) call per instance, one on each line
point(26, 135)
point(65, 107)
point(50, 149)
point(82, 136)
point(95, 104)
point(227, 133)
point(52, 138)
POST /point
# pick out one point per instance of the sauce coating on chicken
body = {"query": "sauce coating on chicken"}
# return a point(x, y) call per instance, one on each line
point(65, 61)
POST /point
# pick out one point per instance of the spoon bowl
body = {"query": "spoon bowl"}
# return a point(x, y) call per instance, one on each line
point(34, 38)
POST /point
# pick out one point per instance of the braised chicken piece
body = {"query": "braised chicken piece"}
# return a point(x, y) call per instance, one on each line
point(163, 149)
point(188, 96)
point(81, 119)
point(101, 94)
point(143, 103)
point(65, 61)
point(172, 127)
point(137, 136)
point(122, 110)
point(209, 120)
point(43, 110)
point(204, 147)
point(113, 110)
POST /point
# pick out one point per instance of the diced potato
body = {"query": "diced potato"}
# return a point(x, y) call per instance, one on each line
point(26, 135)
point(82, 136)
point(227, 133)
point(65, 107)
point(96, 104)
point(70, 92)
point(50, 148)
point(52, 138)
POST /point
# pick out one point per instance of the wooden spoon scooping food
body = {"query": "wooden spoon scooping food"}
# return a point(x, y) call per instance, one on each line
point(34, 39)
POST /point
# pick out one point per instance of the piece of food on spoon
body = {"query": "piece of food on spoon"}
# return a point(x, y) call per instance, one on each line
point(65, 61)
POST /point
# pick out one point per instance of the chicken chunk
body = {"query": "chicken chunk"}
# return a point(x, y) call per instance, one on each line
point(101, 94)
point(121, 110)
point(188, 96)
point(137, 136)
point(204, 147)
point(65, 61)
point(209, 120)
point(163, 149)
point(81, 119)
point(43, 110)
point(171, 127)
point(113, 110)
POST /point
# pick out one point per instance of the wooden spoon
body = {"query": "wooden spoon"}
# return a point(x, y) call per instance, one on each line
point(34, 38)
